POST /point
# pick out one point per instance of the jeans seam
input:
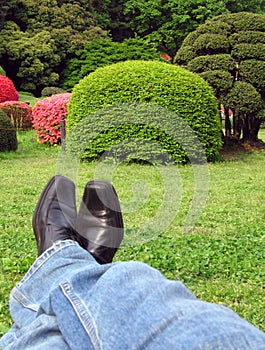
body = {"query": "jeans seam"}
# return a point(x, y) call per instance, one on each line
point(23, 301)
point(42, 260)
point(83, 314)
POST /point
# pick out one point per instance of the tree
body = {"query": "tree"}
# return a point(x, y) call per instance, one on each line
point(111, 16)
point(228, 51)
point(3, 12)
point(255, 6)
point(38, 38)
point(31, 59)
point(104, 52)
point(167, 23)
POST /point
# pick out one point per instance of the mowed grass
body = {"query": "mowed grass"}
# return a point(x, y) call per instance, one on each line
point(28, 98)
point(221, 259)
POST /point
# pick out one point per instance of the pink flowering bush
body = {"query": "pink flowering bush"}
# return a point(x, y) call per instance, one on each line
point(47, 114)
point(20, 114)
point(8, 91)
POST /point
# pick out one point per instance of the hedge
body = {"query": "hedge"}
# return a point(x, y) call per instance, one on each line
point(212, 62)
point(8, 135)
point(20, 114)
point(152, 84)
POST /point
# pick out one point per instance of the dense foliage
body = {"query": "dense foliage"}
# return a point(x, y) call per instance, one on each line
point(165, 22)
point(8, 135)
point(20, 114)
point(8, 91)
point(229, 53)
point(51, 90)
point(183, 95)
point(47, 114)
point(168, 23)
point(104, 52)
point(39, 38)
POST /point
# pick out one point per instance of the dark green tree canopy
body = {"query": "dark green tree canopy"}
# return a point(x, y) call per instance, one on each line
point(243, 98)
point(104, 52)
point(37, 38)
point(167, 23)
point(72, 24)
point(228, 51)
point(33, 58)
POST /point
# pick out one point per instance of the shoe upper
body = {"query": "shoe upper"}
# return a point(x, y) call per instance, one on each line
point(55, 213)
point(100, 221)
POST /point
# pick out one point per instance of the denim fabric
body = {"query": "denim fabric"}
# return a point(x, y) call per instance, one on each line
point(68, 301)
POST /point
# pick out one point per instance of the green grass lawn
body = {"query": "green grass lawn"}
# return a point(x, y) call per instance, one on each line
point(26, 97)
point(221, 259)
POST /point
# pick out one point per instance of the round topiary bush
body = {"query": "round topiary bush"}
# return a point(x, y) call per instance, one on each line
point(8, 135)
point(8, 91)
point(156, 83)
point(20, 114)
point(46, 116)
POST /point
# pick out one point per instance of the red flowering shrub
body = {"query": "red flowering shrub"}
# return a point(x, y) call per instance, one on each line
point(20, 114)
point(8, 91)
point(166, 57)
point(47, 114)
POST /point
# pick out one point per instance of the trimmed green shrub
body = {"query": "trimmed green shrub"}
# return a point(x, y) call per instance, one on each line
point(51, 90)
point(248, 37)
point(246, 20)
point(8, 135)
point(148, 82)
point(190, 39)
point(242, 98)
point(248, 51)
point(220, 80)
point(253, 72)
point(211, 43)
point(212, 62)
point(213, 27)
point(185, 54)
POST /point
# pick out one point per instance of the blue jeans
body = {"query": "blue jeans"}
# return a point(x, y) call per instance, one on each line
point(68, 301)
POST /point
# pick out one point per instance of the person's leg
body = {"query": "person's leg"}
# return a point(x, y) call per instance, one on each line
point(70, 300)
point(133, 306)
point(32, 328)
point(60, 257)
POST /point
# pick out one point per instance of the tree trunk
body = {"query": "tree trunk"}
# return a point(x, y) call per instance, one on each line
point(251, 128)
point(237, 126)
point(228, 127)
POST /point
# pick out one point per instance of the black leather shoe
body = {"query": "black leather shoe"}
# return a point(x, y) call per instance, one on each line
point(55, 214)
point(99, 221)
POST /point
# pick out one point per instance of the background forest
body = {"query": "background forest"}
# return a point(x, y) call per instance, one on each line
point(56, 43)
